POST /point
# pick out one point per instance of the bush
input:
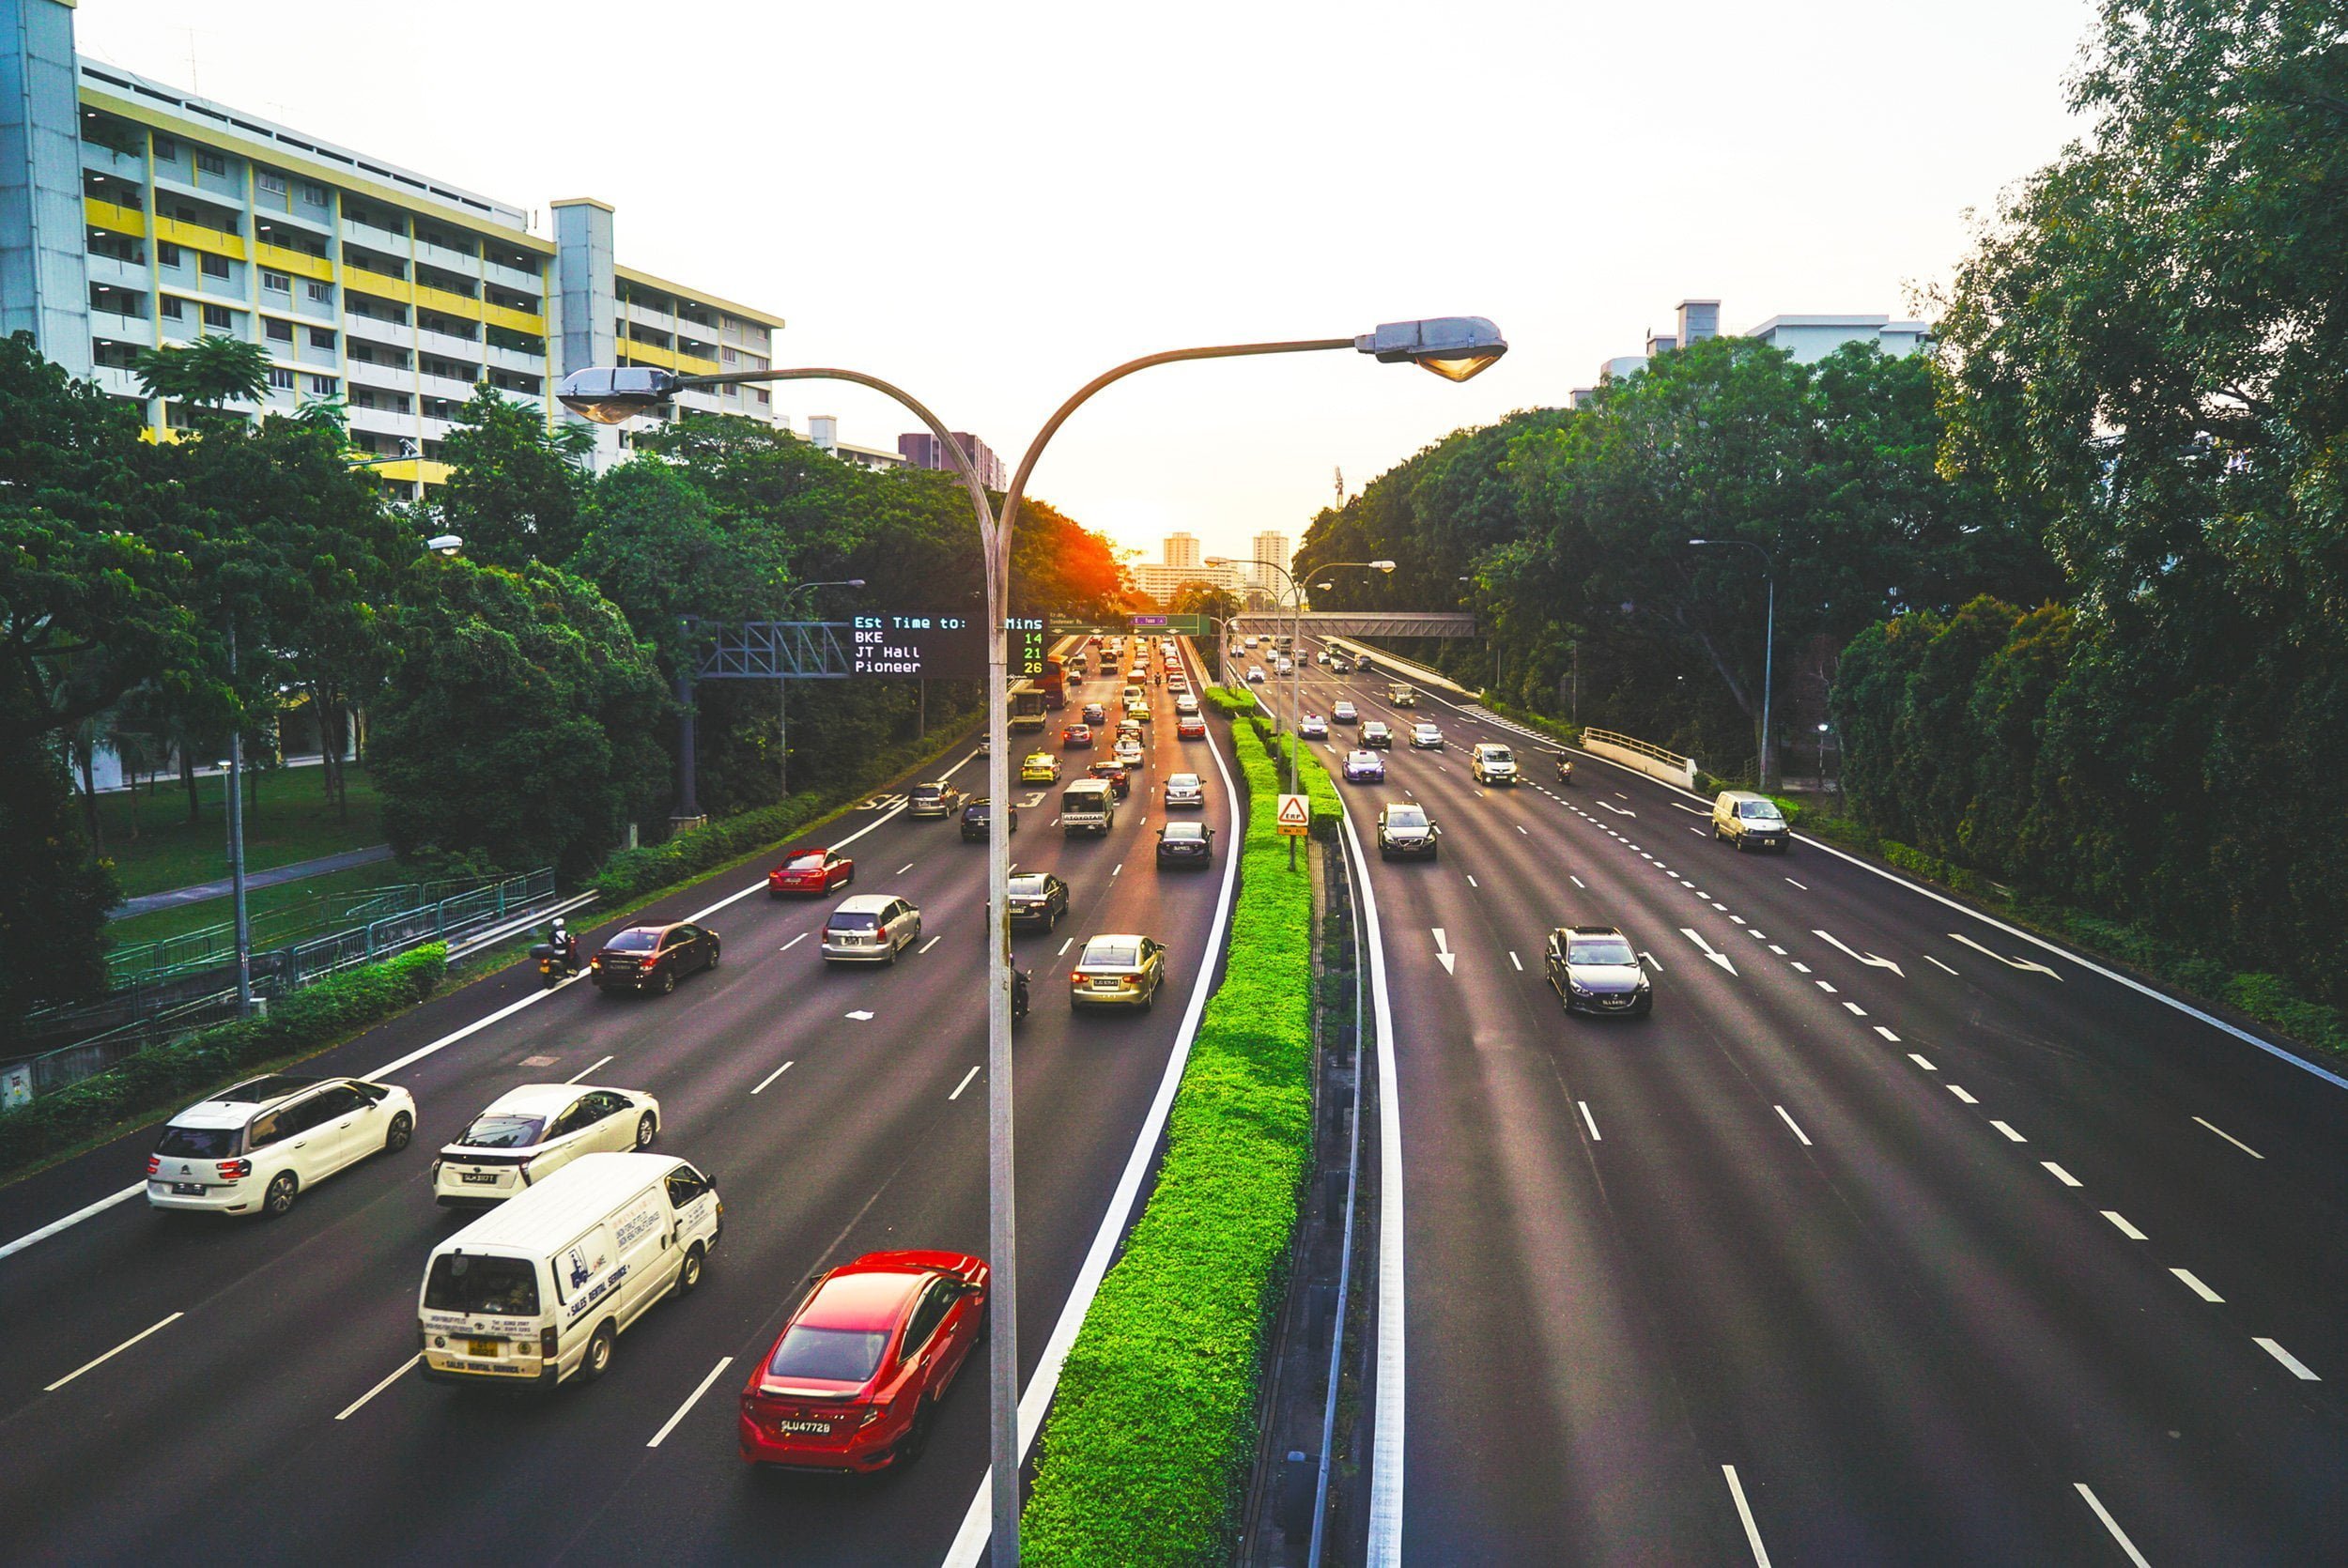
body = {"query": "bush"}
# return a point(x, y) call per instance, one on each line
point(1152, 1432)
point(141, 1085)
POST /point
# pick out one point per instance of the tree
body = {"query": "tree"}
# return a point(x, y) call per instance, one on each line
point(209, 372)
point(518, 486)
point(54, 896)
point(1202, 598)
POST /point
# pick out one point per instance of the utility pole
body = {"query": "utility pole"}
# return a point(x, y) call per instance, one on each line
point(236, 841)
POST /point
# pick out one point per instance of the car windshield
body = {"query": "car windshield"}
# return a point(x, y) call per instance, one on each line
point(1601, 949)
point(833, 1355)
point(1102, 954)
point(1406, 816)
point(1194, 832)
point(1497, 754)
point(1759, 809)
point(1183, 781)
point(852, 920)
point(975, 811)
point(502, 1130)
point(638, 941)
point(199, 1143)
point(498, 1287)
point(811, 861)
point(1024, 885)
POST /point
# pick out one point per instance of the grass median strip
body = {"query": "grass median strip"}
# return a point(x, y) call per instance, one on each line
point(1147, 1453)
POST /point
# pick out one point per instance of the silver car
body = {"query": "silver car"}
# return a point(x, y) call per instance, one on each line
point(870, 928)
point(1426, 737)
point(1185, 790)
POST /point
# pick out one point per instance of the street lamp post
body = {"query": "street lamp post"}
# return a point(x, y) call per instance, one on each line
point(1454, 348)
point(1769, 644)
point(782, 683)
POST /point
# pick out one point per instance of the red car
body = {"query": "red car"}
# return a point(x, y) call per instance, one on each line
point(1121, 780)
point(1076, 737)
point(854, 1381)
point(811, 871)
point(1190, 727)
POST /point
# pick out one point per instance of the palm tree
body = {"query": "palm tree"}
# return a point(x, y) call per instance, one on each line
point(207, 373)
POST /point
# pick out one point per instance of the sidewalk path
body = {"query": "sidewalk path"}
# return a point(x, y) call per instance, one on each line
point(149, 904)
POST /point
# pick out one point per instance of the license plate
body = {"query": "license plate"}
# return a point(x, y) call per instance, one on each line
point(1108, 985)
point(487, 1178)
point(483, 1346)
point(188, 1189)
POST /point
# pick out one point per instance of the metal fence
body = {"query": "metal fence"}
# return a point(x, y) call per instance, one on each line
point(145, 963)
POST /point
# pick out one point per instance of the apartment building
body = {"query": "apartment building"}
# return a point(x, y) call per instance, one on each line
point(1807, 338)
point(922, 450)
point(133, 214)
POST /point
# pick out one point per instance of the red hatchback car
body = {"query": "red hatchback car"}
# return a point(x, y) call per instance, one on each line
point(811, 871)
point(854, 1381)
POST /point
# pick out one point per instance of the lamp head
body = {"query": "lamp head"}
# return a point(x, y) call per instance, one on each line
point(444, 543)
point(1382, 566)
point(1453, 346)
point(610, 394)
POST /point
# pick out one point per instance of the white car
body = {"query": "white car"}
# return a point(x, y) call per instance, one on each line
point(1493, 765)
point(1426, 737)
point(253, 1146)
point(870, 928)
point(1286, 666)
point(1249, 642)
point(1128, 751)
point(1184, 789)
point(1185, 705)
point(1320, 655)
point(526, 1134)
point(1313, 727)
point(1344, 712)
point(1255, 675)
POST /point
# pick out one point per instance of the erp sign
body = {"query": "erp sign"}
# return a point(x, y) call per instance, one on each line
point(940, 647)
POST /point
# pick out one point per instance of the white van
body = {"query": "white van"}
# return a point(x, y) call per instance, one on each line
point(538, 1289)
point(1750, 821)
point(1087, 805)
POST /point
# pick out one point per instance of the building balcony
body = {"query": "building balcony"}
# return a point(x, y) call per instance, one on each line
point(532, 283)
point(464, 263)
point(521, 364)
point(645, 315)
point(393, 333)
point(388, 242)
point(447, 303)
point(121, 165)
point(301, 263)
point(458, 393)
point(383, 421)
point(377, 284)
point(446, 345)
point(112, 215)
point(200, 236)
point(115, 271)
point(397, 378)
point(513, 320)
point(120, 382)
point(122, 329)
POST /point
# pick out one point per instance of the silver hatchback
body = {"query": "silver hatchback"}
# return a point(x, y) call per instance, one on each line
point(870, 928)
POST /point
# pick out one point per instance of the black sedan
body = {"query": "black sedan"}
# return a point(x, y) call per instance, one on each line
point(1185, 844)
point(1594, 969)
point(975, 815)
point(1038, 898)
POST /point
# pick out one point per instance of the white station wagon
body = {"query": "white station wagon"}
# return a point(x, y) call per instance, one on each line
point(253, 1146)
point(527, 1134)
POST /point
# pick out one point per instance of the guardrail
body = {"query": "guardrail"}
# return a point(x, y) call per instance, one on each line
point(1647, 758)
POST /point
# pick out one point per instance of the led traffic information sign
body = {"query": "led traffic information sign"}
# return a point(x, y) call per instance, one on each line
point(942, 647)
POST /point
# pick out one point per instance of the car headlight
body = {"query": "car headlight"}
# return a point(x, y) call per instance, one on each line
point(1578, 988)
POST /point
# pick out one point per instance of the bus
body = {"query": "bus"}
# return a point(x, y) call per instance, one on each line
point(1052, 683)
point(1027, 707)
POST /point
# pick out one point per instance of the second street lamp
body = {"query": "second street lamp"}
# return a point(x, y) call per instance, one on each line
point(1454, 348)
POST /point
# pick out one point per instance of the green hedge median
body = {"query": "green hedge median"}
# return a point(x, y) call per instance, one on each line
point(151, 1081)
point(1152, 1432)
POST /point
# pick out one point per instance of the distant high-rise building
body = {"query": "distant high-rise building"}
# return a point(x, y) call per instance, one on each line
point(1807, 338)
point(1271, 550)
point(823, 434)
point(922, 450)
point(1698, 320)
point(1181, 551)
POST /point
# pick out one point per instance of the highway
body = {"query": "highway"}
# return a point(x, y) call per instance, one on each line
point(1891, 1236)
point(245, 1388)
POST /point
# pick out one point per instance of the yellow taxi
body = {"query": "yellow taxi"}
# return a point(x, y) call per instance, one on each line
point(1041, 767)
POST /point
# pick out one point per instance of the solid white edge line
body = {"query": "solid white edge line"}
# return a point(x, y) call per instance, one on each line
point(1790, 1122)
point(352, 1408)
point(585, 1071)
point(690, 1400)
point(2298, 1368)
point(54, 1226)
point(970, 1541)
point(110, 1354)
point(1589, 1121)
point(1752, 1531)
point(2205, 1122)
point(965, 1080)
point(771, 1077)
point(2112, 1524)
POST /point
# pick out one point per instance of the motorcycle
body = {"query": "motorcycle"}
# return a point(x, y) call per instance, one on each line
point(558, 959)
point(1565, 770)
point(1018, 994)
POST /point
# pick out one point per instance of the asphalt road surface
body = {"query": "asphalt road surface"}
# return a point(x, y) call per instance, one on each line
point(1889, 1237)
point(259, 1402)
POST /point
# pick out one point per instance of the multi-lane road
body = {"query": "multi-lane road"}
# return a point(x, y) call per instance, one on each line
point(1890, 1237)
point(187, 1388)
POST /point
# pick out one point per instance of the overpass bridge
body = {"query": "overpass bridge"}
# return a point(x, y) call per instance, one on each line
point(1370, 623)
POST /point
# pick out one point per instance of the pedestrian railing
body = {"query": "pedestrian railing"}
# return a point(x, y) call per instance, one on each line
point(1645, 756)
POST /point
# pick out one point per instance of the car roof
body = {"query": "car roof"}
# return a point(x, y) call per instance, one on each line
point(1183, 830)
point(223, 1110)
point(862, 1299)
point(554, 1210)
point(807, 849)
point(1742, 795)
point(1361, 754)
point(1589, 930)
point(535, 1100)
point(865, 904)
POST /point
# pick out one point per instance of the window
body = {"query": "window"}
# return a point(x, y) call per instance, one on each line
point(481, 1284)
point(166, 254)
point(213, 267)
point(280, 379)
point(340, 1100)
point(167, 149)
point(266, 1130)
point(277, 331)
point(324, 386)
point(211, 162)
point(572, 1120)
point(765, 399)
point(685, 1185)
point(171, 308)
point(729, 357)
point(272, 185)
point(216, 315)
point(321, 337)
point(936, 1301)
point(313, 192)
point(322, 293)
point(277, 282)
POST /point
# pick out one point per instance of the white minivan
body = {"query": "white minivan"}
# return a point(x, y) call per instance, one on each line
point(1087, 805)
point(538, 1289)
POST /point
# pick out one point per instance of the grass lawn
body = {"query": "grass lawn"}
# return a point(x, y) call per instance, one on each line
point(293, 822)
point(274, 910)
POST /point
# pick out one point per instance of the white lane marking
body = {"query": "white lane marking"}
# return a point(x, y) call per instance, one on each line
point(670, 1426)
point(965, 1081)
point(2010, 963)
point(1801, 968)
point(1521, 829)
point(1757, 936)
point(1472, 881)
point(1723, 908)
point(2193, 1284)
point(1921, 1062)
point(2125, 1229)
point(1959, 1090)
point(401, 1371)
point(1937, 963)
point(793, 942)
point(1826, 986)
point(2061, 1175)
point(54, 1226)
point(930, 944)
point(2112, 1524)
point(112, 1353)
point(1618, 795)
point(1854, 1010)
point(1753, 1532)
point(1064, 946)
point(2008, 1129)
point(1788, 879)
point(1778, 950)
point(1513, 959)
point(902, 869)
point(771, 1077)
point(1739, 918)
point(1618, 810)
point(2298, 1368)
point(1119, 867)
point(1697, 831)
point(1690, 809)
point(1869, 958)
point(1443, 953)
point(1887, 1033)
point(1589, 1121)
point(2231, 1138)
point(1798, 1132)
point(969, 1543)
point(585, 1071)
point(862, 1015)
point(1719, 958)
point(1652, 962)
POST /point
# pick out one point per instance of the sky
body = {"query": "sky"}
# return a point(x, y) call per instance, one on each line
point(990, 204)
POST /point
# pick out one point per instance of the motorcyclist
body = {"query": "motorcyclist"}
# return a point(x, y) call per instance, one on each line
point(565, 942)
point(1565, 770)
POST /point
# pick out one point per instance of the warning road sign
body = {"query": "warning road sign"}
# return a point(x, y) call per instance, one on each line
point(1295, 815)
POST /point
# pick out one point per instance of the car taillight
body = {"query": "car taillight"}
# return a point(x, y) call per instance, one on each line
point(234, 1170)
point(154, 1164)
point(872, 1415)
point(1077, 976)
point(525, 1169)
point(549, 1343)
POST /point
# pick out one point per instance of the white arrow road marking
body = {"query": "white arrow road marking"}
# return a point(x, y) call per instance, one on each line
point(1721, 958)
point(1652, 962)
point(2010, 963)
point(1617, 810)
point(1864, 958)
point(1690, 809)
point(1443, 950)
point(861, 1015)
